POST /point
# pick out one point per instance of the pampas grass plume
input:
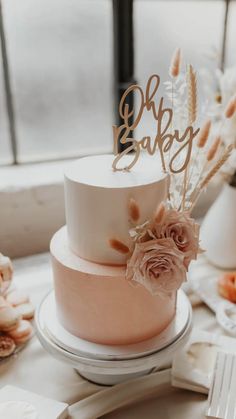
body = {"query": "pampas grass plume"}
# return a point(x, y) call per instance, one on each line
point(118, 246)
point(213, 149)
point(160, 212)
point(230, 108)
point(204, 134)
point(217, 166)
point(134, 212)
point(175, 63)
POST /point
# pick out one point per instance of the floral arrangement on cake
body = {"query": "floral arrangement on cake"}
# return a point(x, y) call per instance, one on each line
point(163, 246)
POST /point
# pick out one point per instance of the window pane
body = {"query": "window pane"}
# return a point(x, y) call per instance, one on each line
point(161, 26)
point(60, 55)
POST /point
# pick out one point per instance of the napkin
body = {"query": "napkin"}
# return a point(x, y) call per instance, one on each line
point(193, 366)
point(16, 399)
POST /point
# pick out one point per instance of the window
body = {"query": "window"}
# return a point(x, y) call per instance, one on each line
point(60, 58)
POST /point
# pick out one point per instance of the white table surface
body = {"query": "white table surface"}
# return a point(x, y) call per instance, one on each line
point(35, 370)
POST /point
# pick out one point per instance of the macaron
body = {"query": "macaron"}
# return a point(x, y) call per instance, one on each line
point(26, 311)
point(227, 286)
point(22, 333)
point(17, 297)
point(6, 272)
point(7, 346)
point(9, 318)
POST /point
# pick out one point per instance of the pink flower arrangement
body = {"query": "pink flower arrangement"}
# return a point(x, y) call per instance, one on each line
point(163, 246)
point(163, 249)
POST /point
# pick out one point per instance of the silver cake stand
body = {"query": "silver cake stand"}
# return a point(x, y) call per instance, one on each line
point(112, 364)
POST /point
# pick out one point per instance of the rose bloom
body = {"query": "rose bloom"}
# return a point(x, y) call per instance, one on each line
point(182, 229)
point(158, 265)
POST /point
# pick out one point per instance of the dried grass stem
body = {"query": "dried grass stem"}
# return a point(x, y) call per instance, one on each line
point(205, 181)
point(192, 95)
point(158, 217)
point(133, 209)
point(175, 63)
point(203, 134)
point(213, 149)
point(230, 108)
point(119, 246)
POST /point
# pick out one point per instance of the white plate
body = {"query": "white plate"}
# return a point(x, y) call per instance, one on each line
point(203, 279)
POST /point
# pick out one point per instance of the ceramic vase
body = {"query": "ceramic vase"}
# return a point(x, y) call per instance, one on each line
point(218, 230)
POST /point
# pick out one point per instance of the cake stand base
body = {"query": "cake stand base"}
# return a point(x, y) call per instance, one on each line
point(112, 364)
point(111, 380)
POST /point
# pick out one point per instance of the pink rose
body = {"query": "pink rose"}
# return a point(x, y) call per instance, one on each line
point(157, 265)
point(182, 229)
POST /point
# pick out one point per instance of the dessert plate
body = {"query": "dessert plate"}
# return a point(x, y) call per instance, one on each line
point(203, 281)
point(81, 347)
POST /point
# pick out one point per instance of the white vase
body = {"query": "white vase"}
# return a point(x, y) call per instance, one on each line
point(218, 230)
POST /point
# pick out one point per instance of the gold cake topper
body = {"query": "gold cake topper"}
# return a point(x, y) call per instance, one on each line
point(166, 135)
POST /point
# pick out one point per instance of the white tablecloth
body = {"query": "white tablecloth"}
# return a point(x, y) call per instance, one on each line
point(35, 370)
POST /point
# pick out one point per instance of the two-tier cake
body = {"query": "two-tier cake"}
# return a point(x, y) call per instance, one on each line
point(130, 237)
point(94, 299)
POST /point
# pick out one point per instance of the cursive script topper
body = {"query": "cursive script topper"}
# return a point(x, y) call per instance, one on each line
point(166, 135)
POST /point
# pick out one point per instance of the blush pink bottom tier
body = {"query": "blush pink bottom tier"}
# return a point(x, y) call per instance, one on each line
point(97, 303)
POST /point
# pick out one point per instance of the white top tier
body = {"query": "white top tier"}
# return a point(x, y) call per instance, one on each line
point(97, 200)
